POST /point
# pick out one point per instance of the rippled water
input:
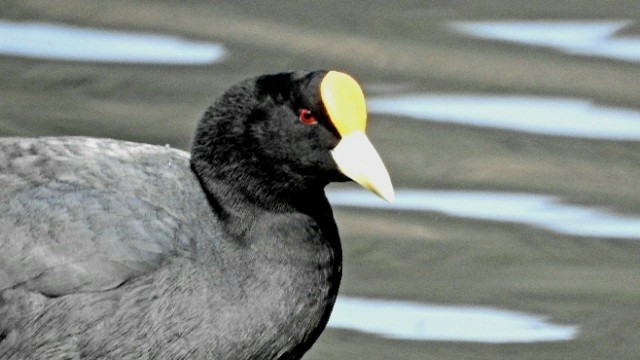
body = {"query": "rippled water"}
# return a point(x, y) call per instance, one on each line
point(540, 115)
point(63, 42)
point(541, 211)
point(592, 38)
point(414, 321)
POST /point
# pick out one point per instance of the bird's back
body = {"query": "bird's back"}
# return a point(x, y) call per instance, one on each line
point(78, 218)
point(110, 249)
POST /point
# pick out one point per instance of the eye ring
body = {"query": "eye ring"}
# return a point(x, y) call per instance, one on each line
point(307, 117)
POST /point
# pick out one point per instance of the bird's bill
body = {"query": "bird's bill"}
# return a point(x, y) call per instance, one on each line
point(357, 159)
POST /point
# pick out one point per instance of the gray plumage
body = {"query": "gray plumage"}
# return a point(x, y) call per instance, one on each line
point(80, 217)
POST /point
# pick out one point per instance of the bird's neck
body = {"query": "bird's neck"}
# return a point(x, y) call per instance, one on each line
point(294, 248)
point(241, 186)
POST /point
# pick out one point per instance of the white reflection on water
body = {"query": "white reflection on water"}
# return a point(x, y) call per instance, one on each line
point(414, 321)
point(591, 38)
point(63, 42)
point(551, 116)
point(542, 211)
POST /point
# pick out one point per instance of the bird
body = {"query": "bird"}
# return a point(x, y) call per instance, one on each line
point(119, 250)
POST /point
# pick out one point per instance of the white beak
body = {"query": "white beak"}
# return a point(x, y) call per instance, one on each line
point(357, 159)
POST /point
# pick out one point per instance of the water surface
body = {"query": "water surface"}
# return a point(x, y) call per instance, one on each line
point(543, 211)
point(65, 42)
point(540, 115)
point(591, 38)
point(415, 321)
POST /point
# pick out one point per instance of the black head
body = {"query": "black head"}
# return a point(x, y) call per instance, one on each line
point(276, 134)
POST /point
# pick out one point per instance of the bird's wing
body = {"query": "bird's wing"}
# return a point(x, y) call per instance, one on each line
point(81, 214)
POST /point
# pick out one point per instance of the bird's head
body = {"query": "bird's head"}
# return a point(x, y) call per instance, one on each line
point(295, 129)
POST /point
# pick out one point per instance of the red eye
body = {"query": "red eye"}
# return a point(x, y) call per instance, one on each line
point(307, 117)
